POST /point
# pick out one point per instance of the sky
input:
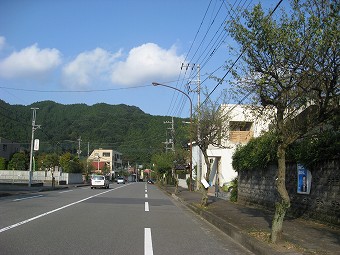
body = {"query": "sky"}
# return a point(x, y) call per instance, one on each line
point(110, 51)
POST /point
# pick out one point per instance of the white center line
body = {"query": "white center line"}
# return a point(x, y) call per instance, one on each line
point(148, 250)
point(146, 206)
point(146, 195)
point(24, 198)
point(55, 210)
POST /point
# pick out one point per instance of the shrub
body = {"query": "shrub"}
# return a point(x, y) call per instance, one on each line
point(258, 153)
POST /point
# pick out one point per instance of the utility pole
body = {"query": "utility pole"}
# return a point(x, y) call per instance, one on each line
point(87, 160)
point(172, 133)
point(79, 151)
point(199, 154)
point(34, 127)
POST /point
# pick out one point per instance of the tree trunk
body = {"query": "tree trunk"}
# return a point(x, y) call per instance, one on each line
point(176, 182)
point(284, 201)
point(204, 200)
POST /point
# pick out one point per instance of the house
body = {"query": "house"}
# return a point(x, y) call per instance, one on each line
point(241, 127)
point(8, 148)
point(106, 161)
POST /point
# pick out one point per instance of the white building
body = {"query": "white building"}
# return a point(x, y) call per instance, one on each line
point(241, 127)
point(105, 158)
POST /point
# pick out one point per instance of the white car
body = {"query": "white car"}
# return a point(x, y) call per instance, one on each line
point(99, 181)
point(120, 180)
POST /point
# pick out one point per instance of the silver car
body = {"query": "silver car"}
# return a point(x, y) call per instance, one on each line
point(99, 181)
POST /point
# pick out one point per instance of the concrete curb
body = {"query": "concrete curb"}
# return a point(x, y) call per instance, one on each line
point(250, 243)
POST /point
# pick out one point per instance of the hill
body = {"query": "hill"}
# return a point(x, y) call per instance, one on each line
point(124, 128)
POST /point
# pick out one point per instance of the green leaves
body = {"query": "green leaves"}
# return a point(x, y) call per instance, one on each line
point(257, 154)
point(19, 161)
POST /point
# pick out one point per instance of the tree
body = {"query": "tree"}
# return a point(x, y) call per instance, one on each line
point(209, 129)
point(292, 66)
point(163, 164)
point(2, 163)
point(19, 161)
point(70, 163)
point(47, 161)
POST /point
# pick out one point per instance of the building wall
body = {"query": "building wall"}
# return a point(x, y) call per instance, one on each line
point(111, 157)
point(8, 148)
point(257, 187)
point(237, 113)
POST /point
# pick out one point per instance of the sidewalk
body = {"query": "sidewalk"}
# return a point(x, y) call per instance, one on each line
point(251, 227)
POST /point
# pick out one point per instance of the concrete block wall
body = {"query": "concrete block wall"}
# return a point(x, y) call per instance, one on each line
point(39, 176)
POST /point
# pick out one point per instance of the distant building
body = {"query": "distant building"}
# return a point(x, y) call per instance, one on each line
point(106, 161)
point(8, 148)
point(242, 126)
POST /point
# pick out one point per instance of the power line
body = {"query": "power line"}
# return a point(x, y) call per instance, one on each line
point(238, 58)
point(74, 91)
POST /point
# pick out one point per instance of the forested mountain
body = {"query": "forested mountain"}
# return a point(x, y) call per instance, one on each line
point(124, 128)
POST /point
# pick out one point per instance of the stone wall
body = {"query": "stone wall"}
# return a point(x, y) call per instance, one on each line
point(323, 203)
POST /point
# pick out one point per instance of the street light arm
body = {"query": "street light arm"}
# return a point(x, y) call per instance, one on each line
point(164, 85)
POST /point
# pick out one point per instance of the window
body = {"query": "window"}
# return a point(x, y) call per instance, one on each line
point(240, 125)
point(106, 154)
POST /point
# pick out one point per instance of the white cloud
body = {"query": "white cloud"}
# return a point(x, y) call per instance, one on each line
point(2, 42)
point(30, 62)
point(88, 67)
point(146, 63)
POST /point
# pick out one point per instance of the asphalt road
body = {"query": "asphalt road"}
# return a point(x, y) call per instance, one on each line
point(134, 218)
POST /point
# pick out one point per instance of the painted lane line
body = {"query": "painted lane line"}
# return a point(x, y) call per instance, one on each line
point(25, 198)
point(56, 210)
point(146, 206)
point(146, 191)
point(146, 195)
point(148, 250)
point(66, 191)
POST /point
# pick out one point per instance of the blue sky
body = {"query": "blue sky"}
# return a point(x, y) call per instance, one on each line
point(110, 51)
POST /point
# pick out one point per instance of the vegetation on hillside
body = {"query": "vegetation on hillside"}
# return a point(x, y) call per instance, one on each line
point(123, 128)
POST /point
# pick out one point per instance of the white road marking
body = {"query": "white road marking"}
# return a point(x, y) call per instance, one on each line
point(56, 210)
point(146, 195)
point(148, 250)
point(146, 206)
point(146, 191)
point(66, 191)
point(24, 198)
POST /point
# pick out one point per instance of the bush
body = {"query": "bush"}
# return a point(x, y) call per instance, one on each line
point(233, 192)
point(316, 148)
point(258, 153)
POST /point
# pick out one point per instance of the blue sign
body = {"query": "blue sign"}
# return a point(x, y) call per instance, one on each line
point(304, 180)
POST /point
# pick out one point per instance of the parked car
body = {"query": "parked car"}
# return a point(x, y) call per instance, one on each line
point(120, 180)
point(151, 181)
point(99, 181)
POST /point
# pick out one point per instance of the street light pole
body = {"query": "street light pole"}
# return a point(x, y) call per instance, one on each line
point(164, 85)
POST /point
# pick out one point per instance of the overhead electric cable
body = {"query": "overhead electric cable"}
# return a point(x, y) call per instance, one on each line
point(238, 58)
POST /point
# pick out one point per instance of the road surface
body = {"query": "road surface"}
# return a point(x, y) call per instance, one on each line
point(135, 218)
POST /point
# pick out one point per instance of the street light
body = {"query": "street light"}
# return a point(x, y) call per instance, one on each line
point(164, 85)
